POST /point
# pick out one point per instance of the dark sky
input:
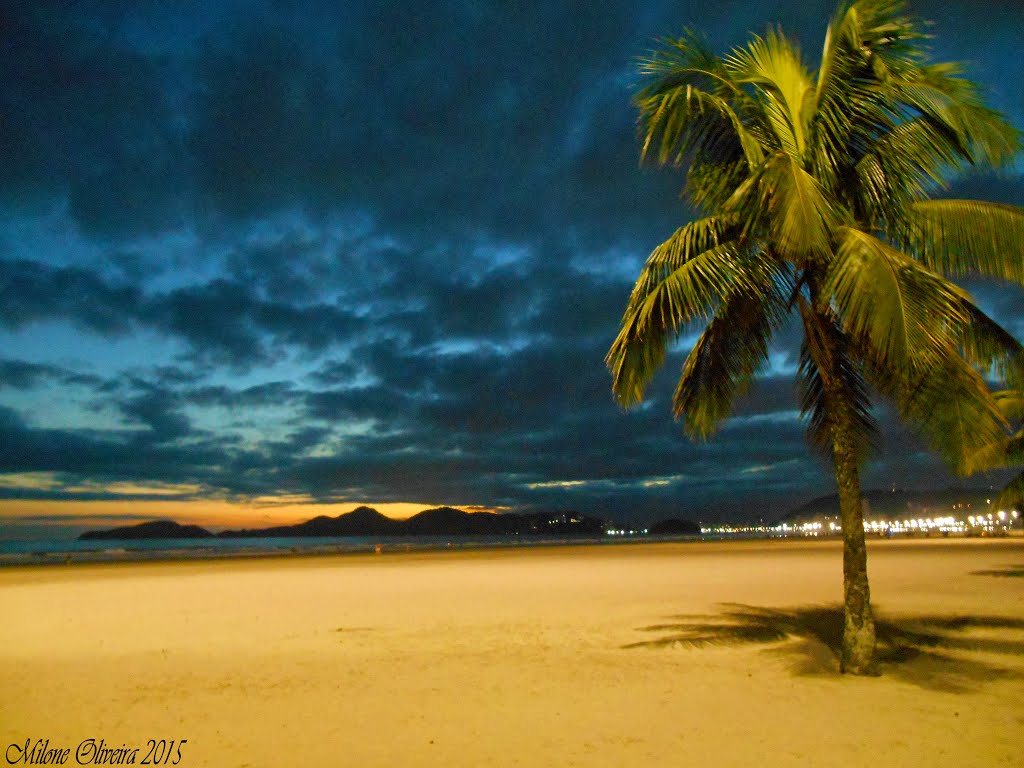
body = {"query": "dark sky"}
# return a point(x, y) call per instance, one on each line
point(375, 252)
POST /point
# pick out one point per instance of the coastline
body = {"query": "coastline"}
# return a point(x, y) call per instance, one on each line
point(57, 552)
point(520, 656)
point(130, 551)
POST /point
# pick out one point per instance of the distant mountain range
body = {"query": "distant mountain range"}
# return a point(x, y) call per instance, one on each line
point(448, 521)
point(899, 503)
point(366, 521)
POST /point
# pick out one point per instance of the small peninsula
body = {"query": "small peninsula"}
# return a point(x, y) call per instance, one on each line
point(155, 529)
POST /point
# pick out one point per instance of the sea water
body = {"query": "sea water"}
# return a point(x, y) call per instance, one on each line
point(18, 552)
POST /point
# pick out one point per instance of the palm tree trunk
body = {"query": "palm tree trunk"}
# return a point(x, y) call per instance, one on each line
point(824, 339)
point(858, 652)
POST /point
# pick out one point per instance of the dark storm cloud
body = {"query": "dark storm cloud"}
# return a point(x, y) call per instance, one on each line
point(167, 449)
point(86, 119)
point(486, 425)
point(442, 117)
point(292, 268)
point(268, 129)
point(507, 119)
point(30, 292)
point(105, 456)
point(221, 320)
point(271, 393)
point(18, 374)
point(159, 413)
point(224, 321)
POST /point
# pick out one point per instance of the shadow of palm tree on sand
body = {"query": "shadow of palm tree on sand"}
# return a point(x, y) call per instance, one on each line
point(947, 653)
point(1009, 571)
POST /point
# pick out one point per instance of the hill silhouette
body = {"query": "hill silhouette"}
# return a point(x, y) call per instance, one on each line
point(897, 503)
point(440, 521)
point(155, 529)
point(362, 521)
point(366, 521)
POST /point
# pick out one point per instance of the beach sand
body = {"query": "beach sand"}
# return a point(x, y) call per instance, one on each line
point(563, 656)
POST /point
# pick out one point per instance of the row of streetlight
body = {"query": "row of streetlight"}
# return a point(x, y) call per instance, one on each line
point(1001, 520)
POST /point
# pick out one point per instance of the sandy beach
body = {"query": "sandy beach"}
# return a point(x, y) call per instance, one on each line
point(700, 654)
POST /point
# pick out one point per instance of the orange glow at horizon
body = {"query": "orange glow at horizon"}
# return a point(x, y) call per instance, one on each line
point(208, 513)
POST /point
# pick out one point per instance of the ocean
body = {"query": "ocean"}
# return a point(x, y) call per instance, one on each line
point(41, 551)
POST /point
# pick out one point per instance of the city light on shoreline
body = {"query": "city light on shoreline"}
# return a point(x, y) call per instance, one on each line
point(987, 524)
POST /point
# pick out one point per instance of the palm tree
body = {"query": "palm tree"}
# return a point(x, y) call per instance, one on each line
point(814, 193)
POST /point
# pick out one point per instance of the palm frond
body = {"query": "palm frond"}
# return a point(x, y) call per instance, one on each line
point(1011, 403)
point(992, 349)
point(688, 59)
point(952, 407)
point(864, 31)
point(881, 106)
point(865, 43)
point(1009, 450)
point(1012, 496)
point(907, 316)
point(966, 237)
point(710, 185)
point(664, 303)
point(690, 107)
point(684, 244)
point(784, 201)
point(685, 121)
point(938, 93)
point(1015, 449)
point(729, 353)
point(772, 64)
point(990, 456)
point(902, 167)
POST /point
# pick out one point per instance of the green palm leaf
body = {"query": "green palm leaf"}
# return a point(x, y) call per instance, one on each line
point(691, 107)
point(1011, 403)
point(1009, 451)
point(907, 316)
point(902, 167)
point(952, 407)
point(952, 102)
point(966, 237)
point(686, 243)
point(992, 350)
point(1012, 496)
point(772, 64)
point(729, 353)
point(787, 201)
point(665, 304)
point(853, 105)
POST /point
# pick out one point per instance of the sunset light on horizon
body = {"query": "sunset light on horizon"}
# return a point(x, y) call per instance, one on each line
point(30, 516)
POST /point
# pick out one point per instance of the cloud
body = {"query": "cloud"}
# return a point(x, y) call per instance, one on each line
point(87, 122)
point(18, 374)
point(31, 292)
